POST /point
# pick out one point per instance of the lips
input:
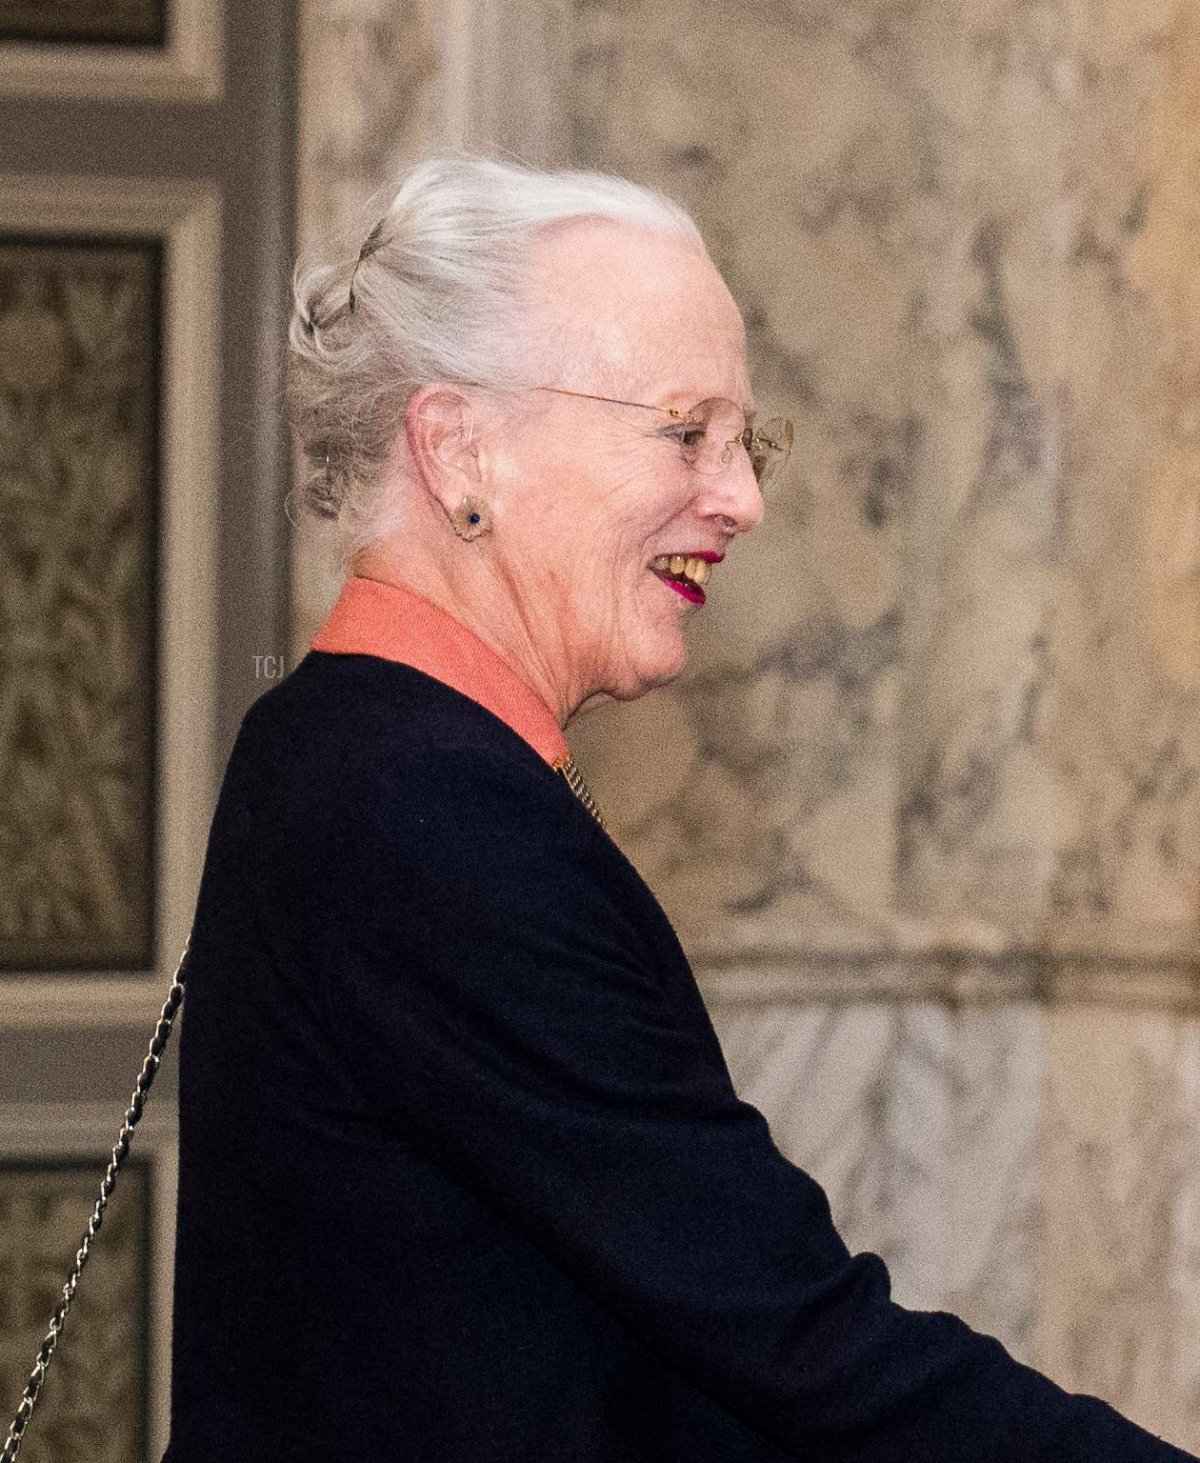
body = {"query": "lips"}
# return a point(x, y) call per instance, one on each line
point(686, 573)
point(680, 586)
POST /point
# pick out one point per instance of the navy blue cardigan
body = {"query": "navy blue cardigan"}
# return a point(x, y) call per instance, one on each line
point(463, 1176)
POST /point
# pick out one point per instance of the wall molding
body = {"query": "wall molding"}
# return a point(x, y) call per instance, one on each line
point(953, 976)
point(189, 68)
point(100, 1002)
point(186, 218)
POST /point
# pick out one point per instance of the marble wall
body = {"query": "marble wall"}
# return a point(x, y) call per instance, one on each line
point(925, 805)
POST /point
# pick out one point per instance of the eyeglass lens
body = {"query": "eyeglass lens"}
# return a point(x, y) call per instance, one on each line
point(724, 428)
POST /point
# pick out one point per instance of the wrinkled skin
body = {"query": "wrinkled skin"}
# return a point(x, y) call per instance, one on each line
point(582, 494)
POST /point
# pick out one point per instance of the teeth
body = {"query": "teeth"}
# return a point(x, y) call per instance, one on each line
point(697, 570)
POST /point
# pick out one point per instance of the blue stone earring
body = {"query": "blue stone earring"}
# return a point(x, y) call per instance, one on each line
point(471, 518)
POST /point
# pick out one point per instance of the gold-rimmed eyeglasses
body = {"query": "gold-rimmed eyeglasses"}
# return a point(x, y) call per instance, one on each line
point(709, 432)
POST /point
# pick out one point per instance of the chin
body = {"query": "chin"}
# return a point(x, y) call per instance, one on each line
point(652, 675)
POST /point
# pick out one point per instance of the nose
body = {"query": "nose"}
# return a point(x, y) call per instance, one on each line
point(733, 493)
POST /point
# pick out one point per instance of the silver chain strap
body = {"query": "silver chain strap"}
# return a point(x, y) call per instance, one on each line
point(158, 1042)
point(149, 1070)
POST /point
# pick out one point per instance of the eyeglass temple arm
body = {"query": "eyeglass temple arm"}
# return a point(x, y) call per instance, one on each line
point(612, 400)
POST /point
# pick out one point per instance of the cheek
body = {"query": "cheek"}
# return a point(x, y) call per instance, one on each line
point(605, 533)
point(592, 517)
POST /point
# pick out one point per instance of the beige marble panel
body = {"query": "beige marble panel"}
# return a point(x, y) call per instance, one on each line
point(381, 86)
point(1030, 1169)
point(768, 802)
point(925, 805)
point(1051, 734)
point(945, 697)
point(923, 1124)
point(1121, 1119)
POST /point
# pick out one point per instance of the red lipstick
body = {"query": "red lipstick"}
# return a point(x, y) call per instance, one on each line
point(689, 591)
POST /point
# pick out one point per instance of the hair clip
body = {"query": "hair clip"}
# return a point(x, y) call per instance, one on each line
point(373, 241)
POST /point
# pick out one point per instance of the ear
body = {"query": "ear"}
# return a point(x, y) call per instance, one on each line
point(439, 427)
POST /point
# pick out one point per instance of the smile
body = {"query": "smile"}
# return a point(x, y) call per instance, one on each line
point(686, 574)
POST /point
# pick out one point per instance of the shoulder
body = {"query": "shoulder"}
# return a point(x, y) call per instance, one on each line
point(373, 798)
point(377, 758)
point(352, 704)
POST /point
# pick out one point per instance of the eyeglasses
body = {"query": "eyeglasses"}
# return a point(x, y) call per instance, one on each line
point(709, 432)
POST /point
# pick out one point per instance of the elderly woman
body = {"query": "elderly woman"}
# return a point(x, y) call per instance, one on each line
point(463, 1175)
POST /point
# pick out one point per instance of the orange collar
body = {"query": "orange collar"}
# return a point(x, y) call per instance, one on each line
point(395, 623)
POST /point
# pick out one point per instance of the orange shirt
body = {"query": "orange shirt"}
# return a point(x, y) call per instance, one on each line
point(395, 623)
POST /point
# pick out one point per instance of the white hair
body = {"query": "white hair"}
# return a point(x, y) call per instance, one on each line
point(436, 293)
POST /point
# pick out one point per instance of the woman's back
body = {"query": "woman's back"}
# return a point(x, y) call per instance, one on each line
point(340, 1292)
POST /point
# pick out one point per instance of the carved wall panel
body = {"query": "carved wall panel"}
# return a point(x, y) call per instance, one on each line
point(94, 1402)
point(105, 1396)
point(80, 324)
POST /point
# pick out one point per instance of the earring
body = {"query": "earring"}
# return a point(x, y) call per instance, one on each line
point(471, 518)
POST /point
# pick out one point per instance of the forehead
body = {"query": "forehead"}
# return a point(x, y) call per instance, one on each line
point(626, 307)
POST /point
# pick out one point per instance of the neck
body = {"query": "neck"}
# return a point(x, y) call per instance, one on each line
point(482, 602)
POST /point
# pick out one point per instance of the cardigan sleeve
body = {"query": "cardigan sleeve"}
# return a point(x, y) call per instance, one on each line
point(490, 981)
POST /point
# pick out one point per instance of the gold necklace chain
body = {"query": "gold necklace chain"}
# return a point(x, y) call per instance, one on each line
point(574, 780)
